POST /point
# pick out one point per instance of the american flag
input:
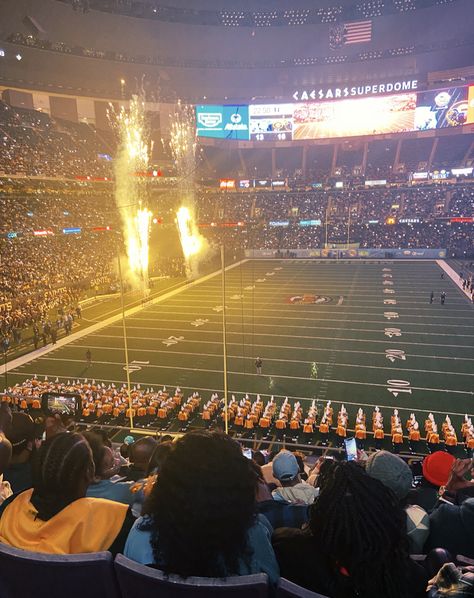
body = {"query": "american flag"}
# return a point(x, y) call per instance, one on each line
point(357, 32)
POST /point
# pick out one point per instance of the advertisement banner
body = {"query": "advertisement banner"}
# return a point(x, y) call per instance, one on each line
point(392, 254)
point(223, 122)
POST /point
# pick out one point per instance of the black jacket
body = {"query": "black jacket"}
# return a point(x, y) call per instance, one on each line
point(452, 527)
point(303, 562)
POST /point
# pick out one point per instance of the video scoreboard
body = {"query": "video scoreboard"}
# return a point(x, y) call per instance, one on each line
point(352, 116)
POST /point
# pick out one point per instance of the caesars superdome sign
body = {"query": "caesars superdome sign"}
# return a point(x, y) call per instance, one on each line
point(334, 93)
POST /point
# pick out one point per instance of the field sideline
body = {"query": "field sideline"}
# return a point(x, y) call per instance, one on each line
point(371, 338)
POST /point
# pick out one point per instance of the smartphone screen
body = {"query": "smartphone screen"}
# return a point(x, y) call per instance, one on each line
point(62, 404)
point(351, 449)
point(247, 453)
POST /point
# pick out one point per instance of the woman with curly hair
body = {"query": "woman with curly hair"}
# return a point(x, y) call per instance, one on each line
point(356, 543)
point(200, 517)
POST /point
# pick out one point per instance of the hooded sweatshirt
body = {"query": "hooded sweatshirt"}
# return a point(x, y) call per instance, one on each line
point(85, 525)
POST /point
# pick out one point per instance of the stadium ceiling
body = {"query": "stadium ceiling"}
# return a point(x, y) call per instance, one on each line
point(341, 11)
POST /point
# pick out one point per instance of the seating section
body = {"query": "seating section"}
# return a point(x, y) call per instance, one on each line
point(33, 144)
point(288, 589)
point(140, 580)
point(28, 574)
point(24, 574)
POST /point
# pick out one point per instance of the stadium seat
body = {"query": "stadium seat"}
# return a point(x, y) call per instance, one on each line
point(288, 589)
point(31, 574)
point(139, 580)
point(435, 559)
point(464, 561)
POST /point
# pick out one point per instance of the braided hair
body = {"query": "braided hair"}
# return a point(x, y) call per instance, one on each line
point(96, 443)
point(61, 465)
point(202, 506)
point(360, 526)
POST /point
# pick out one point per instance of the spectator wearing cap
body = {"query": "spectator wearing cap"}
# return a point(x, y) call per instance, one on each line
point(436, 469)
point(452, 521)
point(280, 513)
point(286, 470)
point(395, 473)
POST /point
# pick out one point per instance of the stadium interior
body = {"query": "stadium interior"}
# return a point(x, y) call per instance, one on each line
point(236, 298)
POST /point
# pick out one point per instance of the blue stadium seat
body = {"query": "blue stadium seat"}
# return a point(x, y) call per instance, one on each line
point(139, 580)
point(31, 574)
point(288, 589)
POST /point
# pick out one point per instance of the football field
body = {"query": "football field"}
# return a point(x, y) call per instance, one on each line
point(358, 333)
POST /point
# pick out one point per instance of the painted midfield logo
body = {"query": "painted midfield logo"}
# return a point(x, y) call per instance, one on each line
point(310, 299)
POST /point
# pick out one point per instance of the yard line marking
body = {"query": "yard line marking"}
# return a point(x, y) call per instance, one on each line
point(306, 327)
point(329, 338)
point(349, 301)
point(430, 316)
point(299, 347)
point(209, 371)
point(269, 359)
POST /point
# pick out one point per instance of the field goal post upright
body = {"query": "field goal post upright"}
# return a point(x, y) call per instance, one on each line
point(224, 341)
point(125, 340)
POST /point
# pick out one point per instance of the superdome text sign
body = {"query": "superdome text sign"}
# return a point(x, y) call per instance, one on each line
point(338, 93)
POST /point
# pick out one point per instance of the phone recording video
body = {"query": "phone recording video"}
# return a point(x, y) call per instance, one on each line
point(351, 449)
point(247, 452)
point(64, 404)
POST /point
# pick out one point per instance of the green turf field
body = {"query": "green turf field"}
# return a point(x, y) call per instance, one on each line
point(362, 311)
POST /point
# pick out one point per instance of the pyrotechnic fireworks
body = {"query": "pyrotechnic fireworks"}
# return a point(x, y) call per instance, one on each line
point(191, 240)
point(130, 189)
point(183, 148)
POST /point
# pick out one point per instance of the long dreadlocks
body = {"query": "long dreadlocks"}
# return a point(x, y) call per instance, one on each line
point(362, 528)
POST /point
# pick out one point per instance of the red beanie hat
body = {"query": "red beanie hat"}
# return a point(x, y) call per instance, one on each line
point(437, 467)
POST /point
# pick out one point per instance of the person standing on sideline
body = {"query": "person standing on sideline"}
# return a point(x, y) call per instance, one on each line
point(431, 297)
point(443, 298)
point(89, 358)
point(258, 365)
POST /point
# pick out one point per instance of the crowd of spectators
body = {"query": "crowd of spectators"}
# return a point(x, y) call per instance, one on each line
point(33, 144)
point(43, 274)
point(395, 217)
point(344, 528)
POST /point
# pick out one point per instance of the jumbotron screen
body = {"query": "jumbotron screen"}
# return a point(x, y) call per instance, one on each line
point(396, 113)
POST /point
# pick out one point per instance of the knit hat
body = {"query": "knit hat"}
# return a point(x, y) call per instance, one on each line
point(285, 466)
point(392, 471)
point(437, 467)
